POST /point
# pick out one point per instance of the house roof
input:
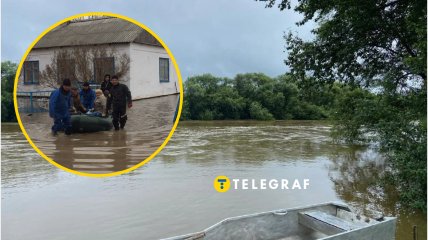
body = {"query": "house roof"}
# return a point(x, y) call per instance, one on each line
point(96, 31)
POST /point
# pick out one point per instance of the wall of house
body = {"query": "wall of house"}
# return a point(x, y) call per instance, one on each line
point(142, 77)
point(46, 55)
point(144, 72)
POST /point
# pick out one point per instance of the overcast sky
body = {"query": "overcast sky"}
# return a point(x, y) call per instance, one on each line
point(221, 37)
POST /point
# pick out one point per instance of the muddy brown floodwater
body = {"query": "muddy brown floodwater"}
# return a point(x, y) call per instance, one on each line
point(173, 194)
point(149, 123)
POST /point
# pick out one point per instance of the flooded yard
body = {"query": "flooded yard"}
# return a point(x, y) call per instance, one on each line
point(149, 123)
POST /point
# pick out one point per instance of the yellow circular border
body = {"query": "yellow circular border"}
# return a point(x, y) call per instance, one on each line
point(101, 174)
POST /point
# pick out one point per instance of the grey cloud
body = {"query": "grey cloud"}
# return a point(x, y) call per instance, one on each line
point(221, 37)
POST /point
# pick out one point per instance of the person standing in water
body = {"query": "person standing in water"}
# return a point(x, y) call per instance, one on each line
point(119, 99)
point(59, 105)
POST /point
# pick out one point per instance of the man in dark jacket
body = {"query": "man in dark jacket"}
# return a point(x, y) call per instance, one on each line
point(59, 105)
point(87, 96)
point(106, 85)
point(119, 98)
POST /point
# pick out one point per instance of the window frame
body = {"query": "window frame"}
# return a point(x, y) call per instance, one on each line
point(69, 62)
point(33, 81)
point(167, 72)
point(103, 74)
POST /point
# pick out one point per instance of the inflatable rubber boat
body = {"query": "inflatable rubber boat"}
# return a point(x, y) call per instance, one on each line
point(83, 123)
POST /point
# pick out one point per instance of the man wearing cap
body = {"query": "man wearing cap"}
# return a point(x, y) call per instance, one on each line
point(120, 97)
point(87, 96)
point(59, 105)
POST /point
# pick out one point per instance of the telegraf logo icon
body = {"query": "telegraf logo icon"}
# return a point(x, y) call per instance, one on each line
point(222, 184)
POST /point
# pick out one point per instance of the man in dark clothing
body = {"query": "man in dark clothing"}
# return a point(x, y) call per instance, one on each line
point(106, 85)
point(120, 96)
point(59, 105)
point(87, 96)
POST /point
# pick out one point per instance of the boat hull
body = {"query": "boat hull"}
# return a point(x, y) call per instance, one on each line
point(86, 124)
point(330, 221)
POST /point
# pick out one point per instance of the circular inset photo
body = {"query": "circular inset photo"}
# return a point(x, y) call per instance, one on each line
point(98, 94)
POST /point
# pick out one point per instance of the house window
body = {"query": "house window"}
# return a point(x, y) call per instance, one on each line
point(164, 69)
point(31, 72)
point(66, 69)
point(103, 66)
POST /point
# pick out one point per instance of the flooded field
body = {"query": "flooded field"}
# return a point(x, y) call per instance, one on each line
point(149, 123)
point(173, 194)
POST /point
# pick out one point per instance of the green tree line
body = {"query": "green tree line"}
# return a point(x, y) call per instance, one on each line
point(257, 96)
point(8, 70)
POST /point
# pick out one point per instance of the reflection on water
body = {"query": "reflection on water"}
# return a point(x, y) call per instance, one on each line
point(150, 122)
point(173, 194)
point(356, 175)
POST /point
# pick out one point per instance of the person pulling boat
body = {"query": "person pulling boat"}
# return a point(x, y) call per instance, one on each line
point(119, 98)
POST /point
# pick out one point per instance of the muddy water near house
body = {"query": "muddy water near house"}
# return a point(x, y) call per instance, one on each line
point(149, 123)
point(173, 194)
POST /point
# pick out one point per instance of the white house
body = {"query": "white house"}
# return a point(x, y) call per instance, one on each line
point(150, 72)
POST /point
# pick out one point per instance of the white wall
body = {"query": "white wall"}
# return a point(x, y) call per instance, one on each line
point(142, 78)
point(145, 72)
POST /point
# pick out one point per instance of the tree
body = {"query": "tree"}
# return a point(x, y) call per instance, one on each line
point(361, 42)
point(77, 63)
point(8, 70)
point(258, 112)
point(62, 66)
point(248, 96)
point(372, 45)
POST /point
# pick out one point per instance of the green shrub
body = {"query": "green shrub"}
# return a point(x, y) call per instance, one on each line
point(258, 112)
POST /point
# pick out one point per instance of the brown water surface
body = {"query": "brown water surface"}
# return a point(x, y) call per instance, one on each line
point(173, 194)
point(149, 123)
